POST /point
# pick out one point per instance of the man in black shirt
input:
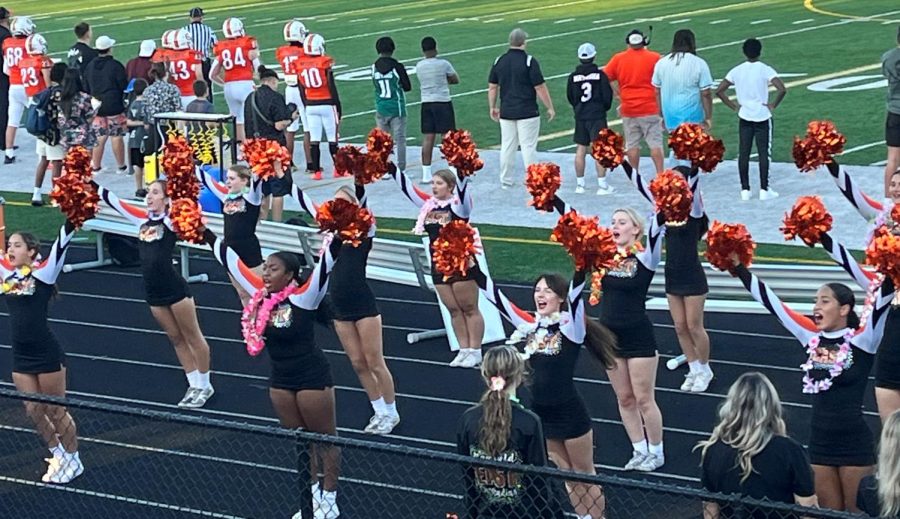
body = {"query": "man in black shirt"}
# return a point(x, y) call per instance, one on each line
point(590, 95)
point(105, 80)
point(4, 79)
point(517, 76)
point(82, 53)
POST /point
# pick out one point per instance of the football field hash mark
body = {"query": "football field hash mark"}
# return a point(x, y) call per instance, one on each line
point(424, 20)
point(603, 20)
point(565, 20)
point(530, 20)
point(493, 20)
point(716, 22)
point(359, 20)
point(676, 22)
point(757, 22)
point(800, 22)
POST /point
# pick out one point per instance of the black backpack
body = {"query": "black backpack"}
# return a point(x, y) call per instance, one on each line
point(37, 117)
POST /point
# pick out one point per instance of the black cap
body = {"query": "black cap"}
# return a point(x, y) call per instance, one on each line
point(196, 12)
point(4, 13)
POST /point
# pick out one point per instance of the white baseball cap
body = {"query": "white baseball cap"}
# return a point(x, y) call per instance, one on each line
point(104, 43)
point(148, 47)
point(586, 51)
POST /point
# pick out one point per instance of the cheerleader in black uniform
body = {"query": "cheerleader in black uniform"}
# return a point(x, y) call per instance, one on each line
point(281, 315)
point(686, 285)
point(165, 289)
point(841, 354)
point(552, 341)
point(38, 358)
point(500, 429)
point(450, 200)
point(241, 197)
point(887, 362)
point(357, 319)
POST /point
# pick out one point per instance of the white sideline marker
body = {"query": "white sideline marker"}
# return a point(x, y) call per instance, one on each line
point(717, 22)
point(565, 20)
point(757, 22)
point(801, 22)
point(676, 22)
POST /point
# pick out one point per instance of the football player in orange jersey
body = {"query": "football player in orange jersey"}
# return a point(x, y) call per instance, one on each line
point(320, 97)
point(237, 58)
point(184, 63)
point(36, 78)
point(13, 52)
point(294, 33)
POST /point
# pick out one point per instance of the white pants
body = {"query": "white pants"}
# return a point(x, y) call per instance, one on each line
point(517, 133)
point(322, 118)
point(186, 100)
point(18, 99)
point(236, 93)
point(292, 95)
point(50, 152)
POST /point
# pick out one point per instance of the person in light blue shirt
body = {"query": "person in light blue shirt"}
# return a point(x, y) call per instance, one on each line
point(683, 84)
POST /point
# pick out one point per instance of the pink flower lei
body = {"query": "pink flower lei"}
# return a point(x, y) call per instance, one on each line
point(430, 205)
point(255, 316)
point(871, 290)
point(843, 359)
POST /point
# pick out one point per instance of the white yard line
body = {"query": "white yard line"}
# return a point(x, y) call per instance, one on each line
point(862, 147)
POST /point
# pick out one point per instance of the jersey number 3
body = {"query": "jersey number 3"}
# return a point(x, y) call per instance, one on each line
point(587, 90)
point(229, 61)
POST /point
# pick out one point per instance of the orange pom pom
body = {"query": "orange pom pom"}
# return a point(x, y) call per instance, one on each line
point(266, 157)
point(454, 248)
point(673, 196)
point(542, 181)
point(187, 219)
point(78, 162)
point(349, 221)
point(459, 150)
point(808, 219)
point(883, 253)
point(710, 155)
point(727, 240)
point(691, 142)
point(608, 148)
point(348, 160)
point(821, 144)
point(379, 144)
point(178, 163)
point(76, 197)
point(590, 245)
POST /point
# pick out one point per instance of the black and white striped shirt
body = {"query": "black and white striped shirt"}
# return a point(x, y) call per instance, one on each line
point(202, 38)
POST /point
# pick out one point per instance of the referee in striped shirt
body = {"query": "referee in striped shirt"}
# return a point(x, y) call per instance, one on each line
point(203, 38)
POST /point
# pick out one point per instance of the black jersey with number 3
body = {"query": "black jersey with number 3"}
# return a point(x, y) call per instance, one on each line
point(589, 92)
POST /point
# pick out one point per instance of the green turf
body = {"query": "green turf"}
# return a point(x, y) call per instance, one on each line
point(471, 33)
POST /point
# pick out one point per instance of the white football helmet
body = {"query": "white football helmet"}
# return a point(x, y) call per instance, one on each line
point(294, 30)
point(21, 26)
point(233, 28)
point(36, 45)
point(314, 45)
point(181, 39)
point(168, 39)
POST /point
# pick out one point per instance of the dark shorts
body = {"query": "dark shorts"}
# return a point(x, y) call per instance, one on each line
point(35, 360)
point(892, 130)
point(564, 421)
point(438, 117)
point(586, 131)
point(299, 376)
point(277, 187)
point(136, 157)
point(438, 279)
point(634, 341)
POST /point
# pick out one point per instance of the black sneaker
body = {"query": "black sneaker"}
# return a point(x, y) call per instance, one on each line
point(9, 160)
point(140, 193)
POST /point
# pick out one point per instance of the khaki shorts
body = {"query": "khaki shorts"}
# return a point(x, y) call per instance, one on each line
point(51, 152)
point(647, 128)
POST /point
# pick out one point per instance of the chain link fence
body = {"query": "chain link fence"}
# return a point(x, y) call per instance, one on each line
point(147, 464)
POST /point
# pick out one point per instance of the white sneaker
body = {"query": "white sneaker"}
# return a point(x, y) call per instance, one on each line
point(201, 396)
point(701, 381)
point(373, 422)
point(745, 194)
point(767, 194)
point(188, 397)
point(608, 190)
point(651, 462)
point(386, 424)
point(688, 381)
point(64, 469)
point(579, 190)
point(471, 360)
point(328, 508)
point(636, 459)
point(316, 502)
point(460, 355)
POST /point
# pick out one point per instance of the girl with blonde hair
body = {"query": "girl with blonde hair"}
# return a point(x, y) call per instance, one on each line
point(879, 494)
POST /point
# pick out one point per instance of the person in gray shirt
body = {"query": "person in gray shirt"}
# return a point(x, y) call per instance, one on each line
point(890, 67)
point(435, 77)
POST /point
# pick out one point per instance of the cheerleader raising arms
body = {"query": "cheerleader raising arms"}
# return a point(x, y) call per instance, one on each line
point(451, 199)
point(241, 197)
point(165, 289)
point(841, 353)
point(38, 359)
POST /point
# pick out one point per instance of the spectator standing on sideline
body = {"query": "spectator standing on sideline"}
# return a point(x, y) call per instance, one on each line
point(750, 453)
point(200, 105)
point(203, 39)
point(160, 97)
point(76, 113)
point(890, 67)
point(266, 116)
point(751, 81)
point(82, 53)
point(683, 84)
point(4, 79)
point(48, 147)
point(435, 77)
point(391, 85)
point(105, 81)
point(137, 135)
point(879, 493)
point(590, 95)
point(139, 67)
point(632, 71)
point(517, 76)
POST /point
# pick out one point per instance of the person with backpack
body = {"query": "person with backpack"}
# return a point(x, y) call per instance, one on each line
point(391, 85)
point(75, 113)
point(48, 148)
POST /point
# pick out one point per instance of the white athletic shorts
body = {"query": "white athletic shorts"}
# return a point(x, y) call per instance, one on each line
point(236, 93)
point(292, 95)
point(322, 118)
point(186, 100)
point(51, 152)
point(18, 100)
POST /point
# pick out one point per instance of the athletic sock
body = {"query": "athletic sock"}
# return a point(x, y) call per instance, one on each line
point(704, 367)
point(601, 182)
point(58, 451)
point(192, 378)
point(203, 380)
point(315, 158)
point(580, 181)
point(426, 173)
point(378, 405)
point(640, 446)
point(694, 366)
point(391, 409)
point(10, 152)
point(36, 194)
point(656, 450)
point(476, 352)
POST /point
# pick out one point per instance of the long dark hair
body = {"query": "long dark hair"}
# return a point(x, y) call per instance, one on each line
point(291, 264)
point(684, 41)
point(70, 88)
point(496, 416)
point(844, 296)
point(704, 220)
point(158, 71)
point(599, 341)
point(33, 243)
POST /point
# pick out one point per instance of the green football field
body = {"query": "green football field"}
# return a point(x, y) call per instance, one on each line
point(827, 51)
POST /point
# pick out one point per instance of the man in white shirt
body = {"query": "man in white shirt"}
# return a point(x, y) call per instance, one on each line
point(683, 84)
point(435, 77)
point(751, 80)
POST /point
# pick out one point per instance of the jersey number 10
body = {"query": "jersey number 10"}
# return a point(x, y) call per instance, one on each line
point(312, 78)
